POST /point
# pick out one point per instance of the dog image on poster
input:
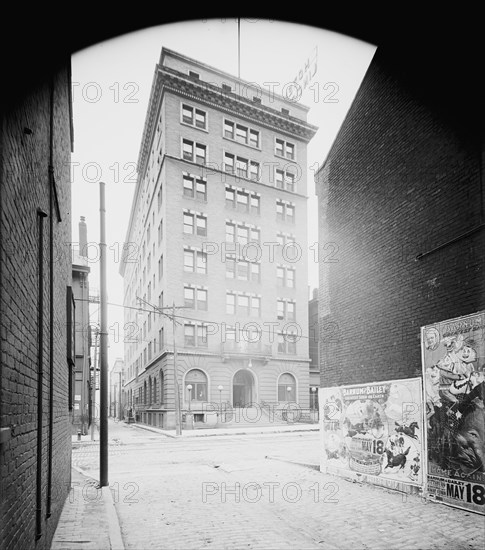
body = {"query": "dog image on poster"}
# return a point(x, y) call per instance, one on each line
point(375, 429)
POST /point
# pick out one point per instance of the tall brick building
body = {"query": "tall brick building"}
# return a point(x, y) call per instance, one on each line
point(218, 226)
point(400, 195)
point(37, 312)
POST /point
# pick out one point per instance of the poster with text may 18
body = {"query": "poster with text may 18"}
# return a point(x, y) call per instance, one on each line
point(375, 429)
point(453, 354)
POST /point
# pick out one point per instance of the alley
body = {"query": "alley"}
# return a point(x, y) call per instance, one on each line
point(247, 491)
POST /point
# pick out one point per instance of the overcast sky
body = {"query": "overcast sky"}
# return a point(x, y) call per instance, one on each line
point(111, 89)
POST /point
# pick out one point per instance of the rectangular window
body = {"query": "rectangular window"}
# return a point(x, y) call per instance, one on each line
point(229, 129)
point(230, 197)
point(188, 223)
point(255, 235)
point(230, 268)
point(241, 133)
point(285, 211)
point(229, 163)
point(194, 117)
point(230, 303)
point(160, 232)
point(243, 304)
point(189, 264)
point(242, 167)
point(201, 225)
point(230, 232)
point(194, 152)
point(202, 262)
point(255, 272)
point(254, 171)
point(242, 270)
point(201, 189)
point(255, 204)
point(256, 307)
point(242, 235)
point(280, 308)
point(285, 149)
point(189, 186)
point(202, 336)
point(160, 267)
point(189, 335)
point(242, 201)
point(202, 299)
point(189, 297)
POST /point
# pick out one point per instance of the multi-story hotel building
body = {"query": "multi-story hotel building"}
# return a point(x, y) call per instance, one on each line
point(218, 227)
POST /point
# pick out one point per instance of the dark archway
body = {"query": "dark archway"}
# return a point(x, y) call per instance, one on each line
point(243, 389)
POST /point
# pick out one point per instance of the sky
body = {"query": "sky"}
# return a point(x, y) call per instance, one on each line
point(111, 85)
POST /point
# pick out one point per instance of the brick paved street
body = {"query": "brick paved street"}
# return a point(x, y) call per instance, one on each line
point(222, 493)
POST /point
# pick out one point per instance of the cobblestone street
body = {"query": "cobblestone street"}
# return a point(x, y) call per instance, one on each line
point(226, 492)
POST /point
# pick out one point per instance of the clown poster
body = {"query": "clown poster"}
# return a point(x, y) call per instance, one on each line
point(374, 430)
point(453, 356)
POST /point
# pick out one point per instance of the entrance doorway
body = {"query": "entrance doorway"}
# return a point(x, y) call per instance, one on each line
point(243, 389)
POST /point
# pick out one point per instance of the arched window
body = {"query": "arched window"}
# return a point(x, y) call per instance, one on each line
point(149, 390)
point(198, 380)
point(287, 387)
point(154, 399)
point(161, 388)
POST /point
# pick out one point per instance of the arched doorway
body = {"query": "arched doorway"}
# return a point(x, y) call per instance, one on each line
point(243, 390)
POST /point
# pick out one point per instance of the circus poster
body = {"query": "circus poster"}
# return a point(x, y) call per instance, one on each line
point(453, 358)
point(375, 430)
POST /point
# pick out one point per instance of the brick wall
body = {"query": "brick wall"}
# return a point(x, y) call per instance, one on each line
point(402, 178)
point(25, 153)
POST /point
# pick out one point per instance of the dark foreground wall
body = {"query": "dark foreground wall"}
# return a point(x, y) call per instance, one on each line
point(35, 449)
point(400, 195)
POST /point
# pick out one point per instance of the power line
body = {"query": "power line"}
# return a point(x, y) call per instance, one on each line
point(188, 318)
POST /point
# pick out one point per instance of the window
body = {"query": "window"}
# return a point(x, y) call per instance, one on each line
point(189, 335)
point(230, 303)
point(160, 267)
point(230, 197)
point(160, 198)
point(230, 232)
point(285, 211)
point(241, 133)
point(202, 299)
point(194, 117)
point(230, 268)
point(195, 297)
point(241, 166)
point(198, 380)
point(242, 201)
point(189, 297)
point(256, 306)
point(285, 180)
point(243, 304)
point(195, 223)
point(195, 187)
point(195, 261)
point(194, 152)
point(255, 204)
point(286, 310)
point(285, 149)
point(160, 339)
point(160, 232)
point(285, 276)
point(242, 269)
point(195, 335)
point(287, 387)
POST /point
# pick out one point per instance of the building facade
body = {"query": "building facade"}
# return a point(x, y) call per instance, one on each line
point(218, 228)
point(313, 350)
point(116, 381)
point(37, 312)
point(82, 400)
point(400, 198)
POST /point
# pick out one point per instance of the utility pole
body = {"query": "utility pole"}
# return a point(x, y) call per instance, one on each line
point(93, 385)
point(178, 424)
point(103, 347)
point(178, 415)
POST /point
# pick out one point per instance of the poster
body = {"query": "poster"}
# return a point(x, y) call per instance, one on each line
point(453, 356)
point(374, 429)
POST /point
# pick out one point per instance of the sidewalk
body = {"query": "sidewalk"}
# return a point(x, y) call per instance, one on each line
point(88, 520)
point(233, 430)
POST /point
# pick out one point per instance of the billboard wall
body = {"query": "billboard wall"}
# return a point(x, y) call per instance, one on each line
point(374, 429)
point(453, 358)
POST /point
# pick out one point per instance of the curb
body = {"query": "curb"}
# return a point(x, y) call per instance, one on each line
point(305, 464)
point(200, 433)
point(114, 527)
